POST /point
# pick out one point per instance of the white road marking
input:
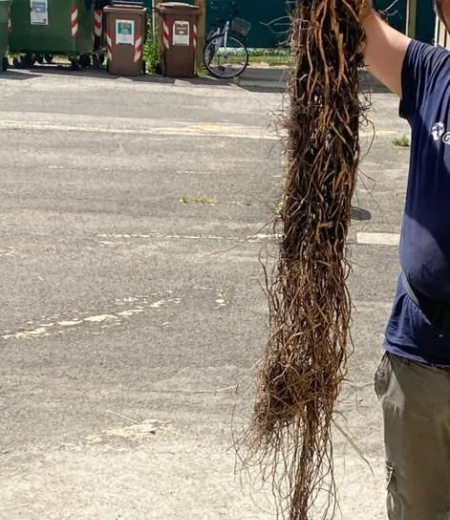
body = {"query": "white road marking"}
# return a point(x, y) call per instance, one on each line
point(100, 318)
point(378, 239)
point(158, 304)
point(185, 129)
point(221, 300)
point(95, 321)
point(130, 313)
point(7, 252)
point(70, 323)
point(381, 239)
point(258, 237)
point(178, 129)
point(39, 331)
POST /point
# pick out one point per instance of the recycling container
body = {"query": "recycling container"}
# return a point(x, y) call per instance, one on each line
point(178, 33)
point(4, 18)
point(49, 27)
point(126, 26)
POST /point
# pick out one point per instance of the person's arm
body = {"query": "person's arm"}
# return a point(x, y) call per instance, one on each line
point(385, 52)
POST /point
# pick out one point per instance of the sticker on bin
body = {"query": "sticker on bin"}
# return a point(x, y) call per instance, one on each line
point(39, 12)
point(125, 32)
point(181, 33)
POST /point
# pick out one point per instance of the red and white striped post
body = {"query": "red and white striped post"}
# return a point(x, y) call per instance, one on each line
point(195, 37)
point(138, 49)
point(74, 22)
point(109, 46)
point(98, 22)
point(166, 35)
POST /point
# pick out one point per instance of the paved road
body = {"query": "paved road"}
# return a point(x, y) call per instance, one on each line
point(132, 217)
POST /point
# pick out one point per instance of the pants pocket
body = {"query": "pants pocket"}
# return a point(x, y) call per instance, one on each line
point(381, 380)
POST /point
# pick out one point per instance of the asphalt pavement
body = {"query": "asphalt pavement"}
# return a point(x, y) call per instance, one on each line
point(133, 219)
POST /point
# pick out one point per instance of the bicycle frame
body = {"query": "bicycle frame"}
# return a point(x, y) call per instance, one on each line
point(224, 33)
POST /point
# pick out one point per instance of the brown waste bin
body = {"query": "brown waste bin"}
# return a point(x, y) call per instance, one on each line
point(178, 30)
point(125, 36)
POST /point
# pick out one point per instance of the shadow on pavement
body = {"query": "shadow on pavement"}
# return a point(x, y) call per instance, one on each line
point(13, 75)
point(261, 89)
point(64, 70)
point(360, 214)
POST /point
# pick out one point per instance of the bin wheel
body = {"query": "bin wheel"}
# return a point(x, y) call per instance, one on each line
point(74, 65)
point(84, 61)
point(98, 60)
point(48, 58)
point(28, 60)
point(40, 59)
point(5, 64)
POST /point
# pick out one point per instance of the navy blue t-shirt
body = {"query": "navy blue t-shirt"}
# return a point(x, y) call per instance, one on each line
point(425, 237)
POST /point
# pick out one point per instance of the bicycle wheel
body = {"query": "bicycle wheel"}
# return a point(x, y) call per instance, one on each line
point(225, 60)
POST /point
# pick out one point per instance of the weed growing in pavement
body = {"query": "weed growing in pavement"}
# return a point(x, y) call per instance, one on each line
point(197, 199)
point(401, 141)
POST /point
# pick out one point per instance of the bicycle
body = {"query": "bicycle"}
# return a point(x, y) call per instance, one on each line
point(225, 55)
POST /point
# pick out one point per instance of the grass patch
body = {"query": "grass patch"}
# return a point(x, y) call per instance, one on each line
point(273, 57)
point(401, 141)
point(151, 50)
point(197, 199)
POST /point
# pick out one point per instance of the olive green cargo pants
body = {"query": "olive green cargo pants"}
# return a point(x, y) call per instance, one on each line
point(416, 410)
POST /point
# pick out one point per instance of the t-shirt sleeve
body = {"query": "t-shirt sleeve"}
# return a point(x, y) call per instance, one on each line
point(422, 67)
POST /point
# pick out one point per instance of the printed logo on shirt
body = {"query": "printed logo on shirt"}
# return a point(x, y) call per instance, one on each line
point(438, 130)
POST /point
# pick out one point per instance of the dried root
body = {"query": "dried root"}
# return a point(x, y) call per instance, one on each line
point(304, 365)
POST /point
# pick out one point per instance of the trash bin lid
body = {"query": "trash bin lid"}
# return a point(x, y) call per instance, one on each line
point(124, 8)
point(177, 7)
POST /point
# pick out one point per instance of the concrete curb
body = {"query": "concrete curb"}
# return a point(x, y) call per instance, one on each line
point(277, 78)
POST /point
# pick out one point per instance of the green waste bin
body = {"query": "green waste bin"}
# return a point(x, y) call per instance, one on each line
point(44, 28)
point(4, 19)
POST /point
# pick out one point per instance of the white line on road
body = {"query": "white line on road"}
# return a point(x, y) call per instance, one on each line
point(258, 237)
point(179, 129)
point(103, 320)
point(188, 130)
point(378, 239)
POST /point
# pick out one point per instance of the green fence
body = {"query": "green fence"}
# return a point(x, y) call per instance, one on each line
point(269, 18)
point(396, 15)
point(425, 21)
point(393, 12)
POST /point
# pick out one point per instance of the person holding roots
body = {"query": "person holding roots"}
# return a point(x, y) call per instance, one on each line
point(413, 379)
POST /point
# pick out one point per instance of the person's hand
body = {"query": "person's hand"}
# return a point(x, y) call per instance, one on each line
point(384, 49)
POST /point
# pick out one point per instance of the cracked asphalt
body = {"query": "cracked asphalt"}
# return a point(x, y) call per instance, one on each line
point(132, 219)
